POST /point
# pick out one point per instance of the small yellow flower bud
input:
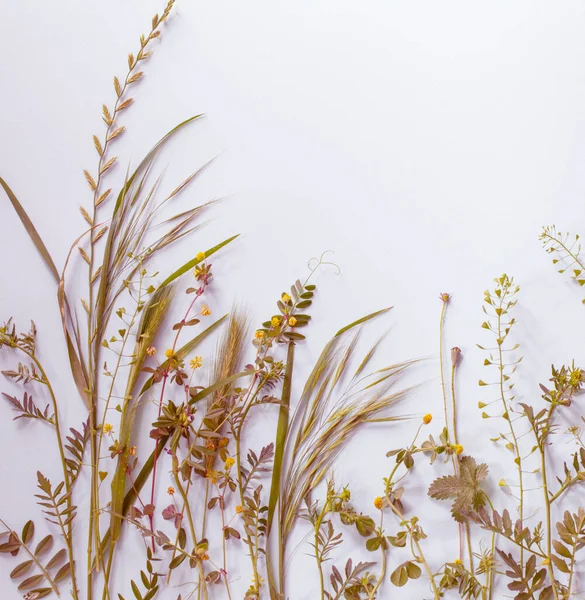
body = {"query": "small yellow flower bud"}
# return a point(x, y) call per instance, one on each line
point(292, 322)
point(427, 419)
point(229, 462)
point(275, 321)
point(457, 562)
point(108, 428)
point(458, 449)
point(132, 450)
point(205, 310)
point(151, 351)
point(502, 483)
point(259, 335)
point(196, 362)
point(285, 298)
point(200, 256)
point(378, 502)
point(238, 509)
point(445, 297)
point(169, 353)
point(170, 490)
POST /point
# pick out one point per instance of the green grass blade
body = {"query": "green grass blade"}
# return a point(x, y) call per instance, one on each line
point(281, 434)
point(150, 156)
point(362, 320)
point(218, 385)
point(189, 265)
point(31, 230)
point(133, 492)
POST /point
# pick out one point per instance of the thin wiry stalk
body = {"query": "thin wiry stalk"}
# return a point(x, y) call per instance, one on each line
point(506, 407)
point(458, 458)
point(95, 320)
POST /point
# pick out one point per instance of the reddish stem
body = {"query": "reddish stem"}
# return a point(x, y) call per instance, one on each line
point(198, 294)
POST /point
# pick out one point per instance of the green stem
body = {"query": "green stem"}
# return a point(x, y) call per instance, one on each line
point(382, 575)
point(372, 594)
point(202, 583)
point(223, 540)
point(572, 569)
point(456, 440)
point(518, 459)
point(317, 528)
point(281, 437)
point(243, 503)
point(418, 555)
point(67, 532)
point(549, 566)
point(489, 575)
point(441, 360)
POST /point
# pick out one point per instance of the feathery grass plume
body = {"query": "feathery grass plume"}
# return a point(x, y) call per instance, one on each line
point(324, 420)
point(228, 360)
point(229, 354)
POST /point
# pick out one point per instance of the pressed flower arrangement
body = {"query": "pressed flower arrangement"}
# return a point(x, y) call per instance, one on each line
point(136, 349)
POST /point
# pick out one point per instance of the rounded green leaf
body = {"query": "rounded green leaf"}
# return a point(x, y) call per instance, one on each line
point(399, 576)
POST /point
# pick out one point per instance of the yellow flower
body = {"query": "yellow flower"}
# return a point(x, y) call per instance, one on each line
point(427, 419)
point(238, 509)
point(576, 377)
point(444, 297)
point(285, 298)
point(457, 562)
point(205, 556)
point(196, 362)
point(212, 476)
point(229, 462)
point(200, 256)
point(151, 351)
point(259, 335)
point(132, 450)
point(108, 428)
point(292, 321)
point(205, 310)
point(275, 321)
point(502, 483)
point(169, 353)
point(458, 448)
point(378, 502)
point(170, 490)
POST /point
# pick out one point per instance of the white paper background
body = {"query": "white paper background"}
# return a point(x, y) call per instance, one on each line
point(426, 143)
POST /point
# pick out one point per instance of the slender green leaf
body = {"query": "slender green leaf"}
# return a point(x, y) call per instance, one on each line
point(31, 230)
point(362, 320)
point(192, 263)
point(186, 349)
point(281, 434)
point(218, 385)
